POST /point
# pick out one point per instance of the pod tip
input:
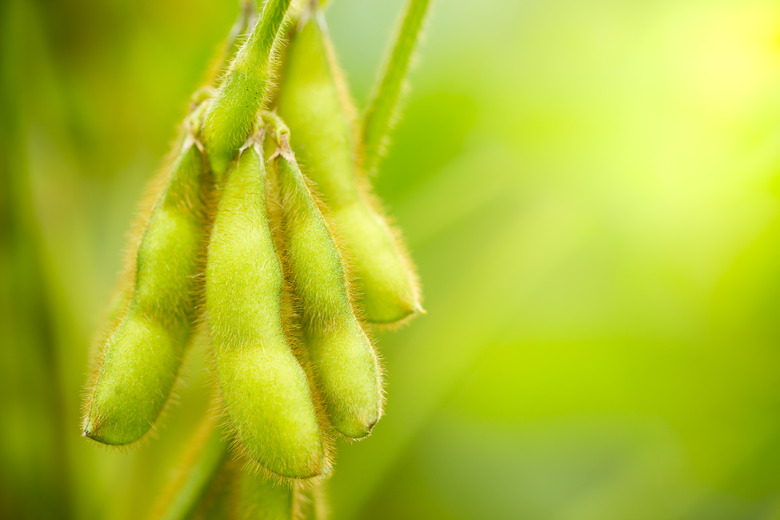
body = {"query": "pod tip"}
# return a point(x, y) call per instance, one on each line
point(90, 434)
point(87, 429)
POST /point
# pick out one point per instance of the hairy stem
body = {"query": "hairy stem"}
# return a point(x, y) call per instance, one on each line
point(202, 464)
point(380, 115)
point(246, 15)
point(231, 116)
point(276, 125)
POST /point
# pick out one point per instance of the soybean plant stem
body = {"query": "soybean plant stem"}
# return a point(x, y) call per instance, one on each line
point(277, 125)
point(203, 463)
point(232, 114)
point(246, 15)
point(380, 115)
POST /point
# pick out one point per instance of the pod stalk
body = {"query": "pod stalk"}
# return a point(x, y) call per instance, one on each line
point(382, 112)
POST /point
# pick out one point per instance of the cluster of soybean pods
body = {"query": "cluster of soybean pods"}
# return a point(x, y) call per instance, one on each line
point(263, 232)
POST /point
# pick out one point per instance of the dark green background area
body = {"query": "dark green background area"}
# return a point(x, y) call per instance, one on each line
point(590, 191)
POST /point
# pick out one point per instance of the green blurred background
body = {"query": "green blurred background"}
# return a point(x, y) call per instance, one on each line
point(589, 188)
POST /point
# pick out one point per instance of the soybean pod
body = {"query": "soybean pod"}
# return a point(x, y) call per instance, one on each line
point(345, 362)
point(142, 353)
point(264, 389)
point(315, 105)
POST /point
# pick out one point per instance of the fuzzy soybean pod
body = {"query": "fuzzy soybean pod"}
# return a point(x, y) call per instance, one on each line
point(232, 114)
point(142, 353)
point(344, 359)
point(264, 389)
point(314, 104)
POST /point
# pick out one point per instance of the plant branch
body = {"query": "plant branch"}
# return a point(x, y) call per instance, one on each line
point(203, 463)
point(246, 16)
point(235, 106)
point(381, 114)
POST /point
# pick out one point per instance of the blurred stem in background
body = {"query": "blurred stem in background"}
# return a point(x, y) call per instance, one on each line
point(36, 472)
point(196, 476)
point(382, 112)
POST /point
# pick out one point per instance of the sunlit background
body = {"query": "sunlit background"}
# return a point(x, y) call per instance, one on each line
point(589, 188)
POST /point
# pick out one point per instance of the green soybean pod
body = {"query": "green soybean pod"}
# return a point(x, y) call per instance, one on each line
point(313, 102)
point(344, 360)
point(142, 353)
point(231, 116)
point(264, 389)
